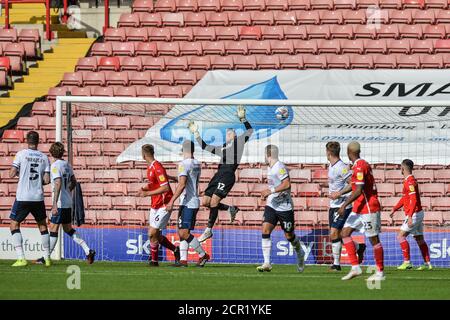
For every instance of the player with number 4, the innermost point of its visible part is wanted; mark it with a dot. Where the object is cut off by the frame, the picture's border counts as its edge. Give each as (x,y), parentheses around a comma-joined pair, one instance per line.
(279,208)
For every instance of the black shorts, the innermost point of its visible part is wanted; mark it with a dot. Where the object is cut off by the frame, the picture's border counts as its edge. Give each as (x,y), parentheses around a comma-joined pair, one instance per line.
(286,218)
(336,221)
(186,218)
(221,184)
(21,209)
(64,216)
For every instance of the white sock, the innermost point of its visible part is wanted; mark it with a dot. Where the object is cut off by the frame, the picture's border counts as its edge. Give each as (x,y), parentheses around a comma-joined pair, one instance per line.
(266,244)
(45,238)
(17,242)
(81,243)
(208,229)
(336,248)
(53,241)
(194,244)
(184,246)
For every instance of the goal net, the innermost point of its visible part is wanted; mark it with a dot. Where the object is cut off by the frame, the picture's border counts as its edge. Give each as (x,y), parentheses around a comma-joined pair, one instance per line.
(105,135)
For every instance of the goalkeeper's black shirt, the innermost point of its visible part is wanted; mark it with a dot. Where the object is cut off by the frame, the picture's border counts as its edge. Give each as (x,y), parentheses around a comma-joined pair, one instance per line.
(230,153)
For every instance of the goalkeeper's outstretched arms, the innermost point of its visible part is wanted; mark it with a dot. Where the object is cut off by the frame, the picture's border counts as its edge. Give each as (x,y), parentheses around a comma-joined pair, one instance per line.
(241,113)
(193,128)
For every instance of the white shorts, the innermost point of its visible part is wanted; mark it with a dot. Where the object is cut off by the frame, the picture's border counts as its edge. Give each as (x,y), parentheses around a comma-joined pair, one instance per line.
(417,227)
(159,218)
(368,223)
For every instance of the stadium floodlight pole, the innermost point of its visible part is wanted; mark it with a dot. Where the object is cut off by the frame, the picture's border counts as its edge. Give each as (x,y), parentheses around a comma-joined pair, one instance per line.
(268,102)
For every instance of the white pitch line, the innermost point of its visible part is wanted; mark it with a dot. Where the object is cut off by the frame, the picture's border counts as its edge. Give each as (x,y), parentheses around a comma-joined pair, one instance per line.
(182,274)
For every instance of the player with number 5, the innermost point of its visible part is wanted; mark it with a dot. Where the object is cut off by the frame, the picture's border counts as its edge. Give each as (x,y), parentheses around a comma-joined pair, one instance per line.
(279,207)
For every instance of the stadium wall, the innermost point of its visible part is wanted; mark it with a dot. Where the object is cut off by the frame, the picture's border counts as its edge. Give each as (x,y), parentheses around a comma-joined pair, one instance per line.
(239,245)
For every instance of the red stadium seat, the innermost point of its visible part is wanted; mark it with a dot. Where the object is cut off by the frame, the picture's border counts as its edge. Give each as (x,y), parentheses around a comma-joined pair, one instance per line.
(272,32)
(28,123)
(210,48)
(268,62)
(352,46)
(124,203)
(251,33)
(128,20)
(299,203)
(116,78)
(295,32)
(300,175)
(386,189)
(142,6)
(245,203)
(408,62)
(106,176)
(442,46)
(330,17)
(144,91)
(341,31)
(199,63)
(89,149)
(432,189)
(291,62)
(146,49)
(239,18)
(308,17)
(222,62)
(101,49)
(108,217)
(319,176)
(308,218)
(308,190)
(308,46)
(322,4)
(133,217)
(87,63)
(109,63)
(130,176)
(164,6)
(113,149)
(251,175)
(99,203)
(388,31)
(150,19)
(195,19)
(442,176)
(207,33)
(219,19)
(245,62)
(208,5)
(262,18)
(354,16)
(11,136)
(115,34)
(424,175)
(422,46)
(153,63)
(400,16)
(94,189)
(190,48)
(441,204)
(434,31)
(318,204)
(384,61)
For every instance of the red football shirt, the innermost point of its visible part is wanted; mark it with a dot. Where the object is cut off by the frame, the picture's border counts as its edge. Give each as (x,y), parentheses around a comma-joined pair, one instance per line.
(367,202)
(411,197)
(157,177)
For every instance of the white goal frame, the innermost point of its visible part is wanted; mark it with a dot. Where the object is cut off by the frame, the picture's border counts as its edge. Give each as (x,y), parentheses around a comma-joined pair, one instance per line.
(61,100)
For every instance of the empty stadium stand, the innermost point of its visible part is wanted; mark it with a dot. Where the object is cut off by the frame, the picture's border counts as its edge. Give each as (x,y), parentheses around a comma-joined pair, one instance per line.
(163,48)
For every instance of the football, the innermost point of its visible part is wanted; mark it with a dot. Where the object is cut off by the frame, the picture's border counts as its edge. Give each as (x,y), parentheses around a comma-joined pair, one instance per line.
(282,113)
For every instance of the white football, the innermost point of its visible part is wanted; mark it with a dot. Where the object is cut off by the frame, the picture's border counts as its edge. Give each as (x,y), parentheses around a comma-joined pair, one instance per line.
(282,113)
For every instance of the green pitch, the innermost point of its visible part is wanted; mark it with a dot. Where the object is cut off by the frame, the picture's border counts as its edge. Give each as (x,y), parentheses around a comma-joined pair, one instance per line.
(119,280)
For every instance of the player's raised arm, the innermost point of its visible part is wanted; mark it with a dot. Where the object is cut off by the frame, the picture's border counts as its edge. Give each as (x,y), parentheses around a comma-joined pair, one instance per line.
(249,129)
(193,127)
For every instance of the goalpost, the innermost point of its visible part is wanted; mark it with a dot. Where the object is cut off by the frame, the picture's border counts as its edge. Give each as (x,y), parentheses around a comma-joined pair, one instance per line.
(104,136)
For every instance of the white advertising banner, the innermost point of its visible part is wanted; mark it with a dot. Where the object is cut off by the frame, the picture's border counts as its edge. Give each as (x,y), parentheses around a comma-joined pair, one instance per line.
(387,134)
(32,243)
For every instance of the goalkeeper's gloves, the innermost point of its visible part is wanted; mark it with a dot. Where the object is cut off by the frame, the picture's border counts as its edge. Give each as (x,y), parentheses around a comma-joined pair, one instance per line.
(193,128)
(241,113)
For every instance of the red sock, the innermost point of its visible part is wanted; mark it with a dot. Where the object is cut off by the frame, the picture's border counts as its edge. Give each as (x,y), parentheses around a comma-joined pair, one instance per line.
(378,253)
(154,250)
(351,250)
(166,243)
(424,250)
(404,244)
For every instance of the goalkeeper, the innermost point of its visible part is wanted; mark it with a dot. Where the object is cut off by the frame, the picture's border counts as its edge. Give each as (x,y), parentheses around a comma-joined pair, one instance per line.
(223,181)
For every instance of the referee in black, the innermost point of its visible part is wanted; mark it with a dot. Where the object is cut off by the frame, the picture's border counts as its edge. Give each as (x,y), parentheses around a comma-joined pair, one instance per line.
(223,181)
